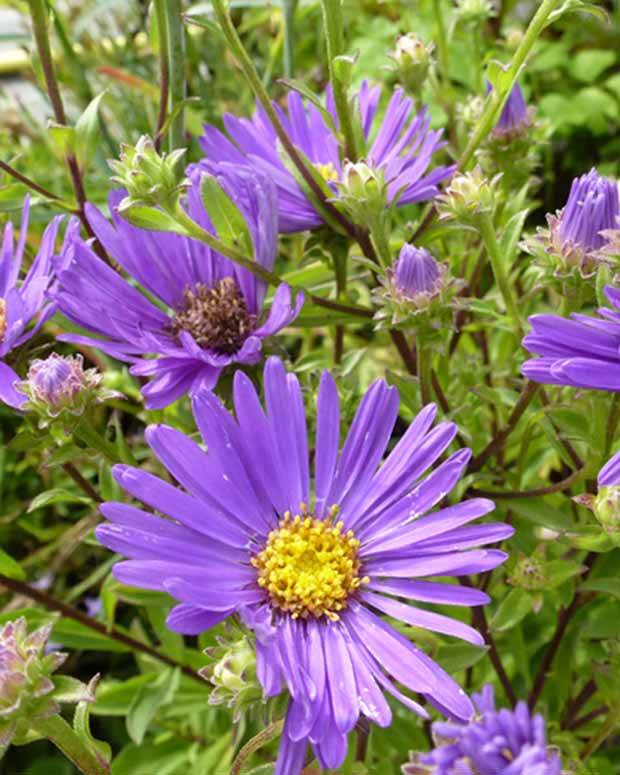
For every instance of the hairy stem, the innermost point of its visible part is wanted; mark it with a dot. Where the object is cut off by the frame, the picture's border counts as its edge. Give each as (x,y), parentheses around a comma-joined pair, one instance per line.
(262,738)
(334,34)
(176,71)
(164,72)
(487,232)
(66,739)
(564,619)
(423,362)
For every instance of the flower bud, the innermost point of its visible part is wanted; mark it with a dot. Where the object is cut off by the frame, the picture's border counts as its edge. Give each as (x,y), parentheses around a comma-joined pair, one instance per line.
(474,11)
(416,293)
(149,178)
(362,192)
(607,511)
(233,675)
(515,117)
(582,233)
(59,383)
(25,677)
(416,274)
(412,58)
(469,195)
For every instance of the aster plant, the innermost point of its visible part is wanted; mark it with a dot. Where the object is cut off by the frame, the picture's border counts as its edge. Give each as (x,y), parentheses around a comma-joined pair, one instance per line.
(244,361)
(207,313)
(311,572)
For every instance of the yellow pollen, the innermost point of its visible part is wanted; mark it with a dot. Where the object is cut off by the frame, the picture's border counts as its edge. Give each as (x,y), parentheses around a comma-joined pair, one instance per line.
(2,319)
(327,171)
(309,567)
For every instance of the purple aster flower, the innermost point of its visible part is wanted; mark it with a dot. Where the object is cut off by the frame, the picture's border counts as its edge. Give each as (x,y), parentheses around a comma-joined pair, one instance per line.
(311,571)
(496,742)
(580,351)
(592,207)
(402,148)
(416,272)
(206,310)
(515,114)
(25,303)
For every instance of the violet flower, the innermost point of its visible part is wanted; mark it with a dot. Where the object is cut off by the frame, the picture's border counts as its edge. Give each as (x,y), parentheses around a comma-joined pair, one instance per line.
(495,742)
(311,570)
(580,351)
(401,147)
(24,307)
(206,313)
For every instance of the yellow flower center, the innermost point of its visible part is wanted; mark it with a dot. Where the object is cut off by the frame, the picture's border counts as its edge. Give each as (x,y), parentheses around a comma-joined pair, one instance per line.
(328,171)
(309,567)
(2,319)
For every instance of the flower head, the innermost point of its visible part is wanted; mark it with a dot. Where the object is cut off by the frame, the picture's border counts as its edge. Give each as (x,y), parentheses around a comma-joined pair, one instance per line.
(208,312)
(416,273)
(412,59)
(468,195)
(401,149)
(25,303)
(310,571)
(515,115)
(494,742)
(578,234)
(25,676)
(60,383)
(580,351)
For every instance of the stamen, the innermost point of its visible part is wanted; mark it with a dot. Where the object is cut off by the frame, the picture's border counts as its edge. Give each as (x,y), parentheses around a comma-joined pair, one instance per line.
(328,171)
(217,317)
(3,323)
(309,567)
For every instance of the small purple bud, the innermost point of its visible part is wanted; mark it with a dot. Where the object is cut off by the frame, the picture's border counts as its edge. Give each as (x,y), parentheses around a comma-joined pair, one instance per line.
(592,207)
(416,272)
(515,114)
(57,380)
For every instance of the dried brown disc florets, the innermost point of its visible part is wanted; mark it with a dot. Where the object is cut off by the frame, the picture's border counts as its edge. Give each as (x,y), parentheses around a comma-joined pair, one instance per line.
(216,316)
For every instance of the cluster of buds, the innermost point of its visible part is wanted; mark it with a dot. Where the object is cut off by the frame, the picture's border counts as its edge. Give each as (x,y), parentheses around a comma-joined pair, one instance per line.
(232,672)
(579,238)
(362,192)
(469,195)
(27,689)
(415,293)
(150,178)
(59,385)
(412,61)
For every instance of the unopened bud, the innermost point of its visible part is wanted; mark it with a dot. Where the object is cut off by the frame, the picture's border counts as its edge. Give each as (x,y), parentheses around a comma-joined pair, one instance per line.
(412,58)
(362,192)
(468,196)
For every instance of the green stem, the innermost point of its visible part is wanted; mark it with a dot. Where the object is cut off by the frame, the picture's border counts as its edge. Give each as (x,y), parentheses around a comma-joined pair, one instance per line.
(192,229)
(423,363)
(497,98)
(237,49)
(599,738)
(334,34)
(442,42)
(64,737)
(289,7)
(176,70)
(86,433)
(262,738)
(487,232)
(164,72)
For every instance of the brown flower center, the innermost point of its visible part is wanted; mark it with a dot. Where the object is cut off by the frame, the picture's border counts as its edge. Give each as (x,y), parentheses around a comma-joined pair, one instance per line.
(217,317)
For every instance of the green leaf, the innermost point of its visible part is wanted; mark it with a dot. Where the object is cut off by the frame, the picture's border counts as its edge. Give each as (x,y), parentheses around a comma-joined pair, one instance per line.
(55,495)
(455,657)
(514,607)
(69,689)
(608,586)
(81,724)
(150,218)
(148,700)
(114,698)
(152,759)
(10,567)
(78,636)
(87,131)
(228,221)
(62,139)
